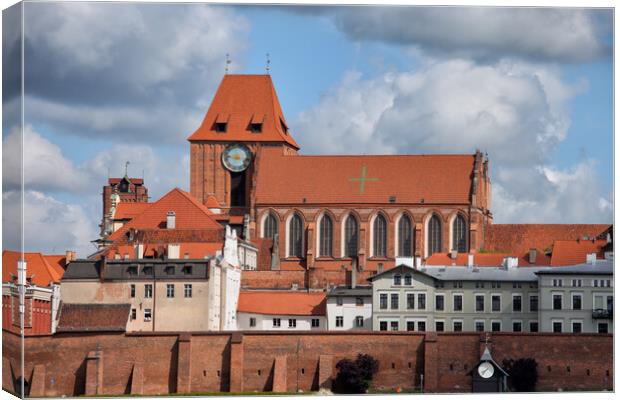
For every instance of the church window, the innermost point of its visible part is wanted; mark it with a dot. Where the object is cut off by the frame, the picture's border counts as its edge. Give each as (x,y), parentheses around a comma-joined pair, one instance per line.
(379,236)
(326,235)
(434,235)
(295,236)
(405,236)
(350,238)
(459,234)
(270,226)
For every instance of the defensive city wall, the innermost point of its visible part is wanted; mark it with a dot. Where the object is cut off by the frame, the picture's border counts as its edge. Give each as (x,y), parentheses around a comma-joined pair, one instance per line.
(154,363)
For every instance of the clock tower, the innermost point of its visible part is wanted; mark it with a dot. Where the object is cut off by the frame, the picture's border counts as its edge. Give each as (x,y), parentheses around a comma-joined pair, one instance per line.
(244,117)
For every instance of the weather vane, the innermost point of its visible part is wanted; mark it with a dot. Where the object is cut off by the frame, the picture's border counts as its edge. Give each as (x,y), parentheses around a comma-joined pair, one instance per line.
(126,165)
(227,61)
(267,64)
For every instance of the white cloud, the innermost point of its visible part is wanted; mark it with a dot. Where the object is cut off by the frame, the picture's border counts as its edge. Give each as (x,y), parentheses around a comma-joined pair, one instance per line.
(50,226)
(484,33)
(517,112)
(45,167)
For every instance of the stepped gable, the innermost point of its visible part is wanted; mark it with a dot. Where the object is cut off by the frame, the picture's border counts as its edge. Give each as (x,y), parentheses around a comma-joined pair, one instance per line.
(371,179)
(240,101)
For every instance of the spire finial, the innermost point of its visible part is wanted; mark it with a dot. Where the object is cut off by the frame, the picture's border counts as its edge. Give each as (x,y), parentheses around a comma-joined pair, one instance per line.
(126,166)
(227,61)
(267,63)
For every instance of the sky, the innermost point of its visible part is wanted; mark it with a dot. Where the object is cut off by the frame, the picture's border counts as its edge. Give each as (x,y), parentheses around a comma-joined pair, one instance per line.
(107,83)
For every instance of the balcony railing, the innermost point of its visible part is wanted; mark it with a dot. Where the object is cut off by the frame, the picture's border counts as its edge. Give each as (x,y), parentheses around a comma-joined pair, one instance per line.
(602,313)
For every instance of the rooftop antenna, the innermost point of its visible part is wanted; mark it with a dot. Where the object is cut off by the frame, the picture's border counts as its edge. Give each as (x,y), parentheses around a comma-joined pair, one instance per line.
(267,64)
(227,61)
(126,165)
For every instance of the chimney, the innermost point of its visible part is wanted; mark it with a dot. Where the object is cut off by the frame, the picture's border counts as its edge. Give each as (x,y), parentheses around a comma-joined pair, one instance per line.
(171,220)
(69,256)
(354,273)
(139,249)
(511,262)
(591,258)
(174,251)
(380,268)
(418,262)
(470,260)
(532,256)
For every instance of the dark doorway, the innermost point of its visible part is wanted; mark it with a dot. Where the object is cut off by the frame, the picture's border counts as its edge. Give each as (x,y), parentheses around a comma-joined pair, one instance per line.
(237,189)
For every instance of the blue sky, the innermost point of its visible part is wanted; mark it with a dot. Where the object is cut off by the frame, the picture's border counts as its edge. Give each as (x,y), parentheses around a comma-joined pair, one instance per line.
(108,83)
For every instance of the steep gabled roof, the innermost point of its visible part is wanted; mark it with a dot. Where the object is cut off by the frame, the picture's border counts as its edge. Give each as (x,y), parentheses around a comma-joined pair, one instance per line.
(572,252)
(410,179)
(282,303)
(190,214)
(41,271)
(519,238)
(239,101)
(129,210)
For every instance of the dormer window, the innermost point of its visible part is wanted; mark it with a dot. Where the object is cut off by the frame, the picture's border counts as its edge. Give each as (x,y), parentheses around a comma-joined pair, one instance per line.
(256,127)
(284,127)
(187,270)
(221,127)
(169,270)
(132,270)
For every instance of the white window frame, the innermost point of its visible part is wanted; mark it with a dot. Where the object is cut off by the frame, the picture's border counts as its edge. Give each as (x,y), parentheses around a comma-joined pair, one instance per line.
(443,295)
(572,294)
(264,217)
(529,304)
(512,309)
(435,325)
(273,323)
(339,318)
(150,315)
(462,324)
(529,325)
(484,325)
(357,319)
(462,302)
(292,323)
(500,302)
(561,322)
(484,303)
(499,321)
(512,323)
(561,294)
(573,321)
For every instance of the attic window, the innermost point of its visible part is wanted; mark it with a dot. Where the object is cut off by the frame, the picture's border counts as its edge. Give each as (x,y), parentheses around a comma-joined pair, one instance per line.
(256,127)
(284,127)
(147,270)
(132,270)
(169,270)
(221,127)
(187,270)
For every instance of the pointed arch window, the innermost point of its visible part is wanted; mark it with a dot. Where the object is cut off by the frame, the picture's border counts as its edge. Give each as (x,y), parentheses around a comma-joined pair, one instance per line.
(295,236)
(350,237)
(405,236)
(270,226)
(459,234)
(379,236)
(326,232)
(434,235)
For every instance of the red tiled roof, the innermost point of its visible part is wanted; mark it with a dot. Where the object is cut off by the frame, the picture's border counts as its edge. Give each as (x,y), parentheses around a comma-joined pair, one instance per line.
(116,181)
(212,202)
(282,303)
(519,238)
(571,252)
(93,317)
(485,259)
(190,214)
(239,100)
(42,270)
(57,260)
(130,210)
(194,250)
(412,179)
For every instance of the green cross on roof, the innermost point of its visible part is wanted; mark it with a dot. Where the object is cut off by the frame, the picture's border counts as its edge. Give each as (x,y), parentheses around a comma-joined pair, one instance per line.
(362,179)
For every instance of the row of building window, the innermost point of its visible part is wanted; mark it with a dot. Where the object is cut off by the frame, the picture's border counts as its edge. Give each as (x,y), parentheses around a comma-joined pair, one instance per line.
(292,322)
(496,326)
(457,302)
(578,283)
(148,290)
(379,234)
(359,301)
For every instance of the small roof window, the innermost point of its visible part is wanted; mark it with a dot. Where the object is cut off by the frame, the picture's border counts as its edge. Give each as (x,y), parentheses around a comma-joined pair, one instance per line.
(221,127)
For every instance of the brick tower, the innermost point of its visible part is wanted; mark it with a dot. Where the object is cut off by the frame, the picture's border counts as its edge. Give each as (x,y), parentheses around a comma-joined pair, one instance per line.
(244,117)
(121,190)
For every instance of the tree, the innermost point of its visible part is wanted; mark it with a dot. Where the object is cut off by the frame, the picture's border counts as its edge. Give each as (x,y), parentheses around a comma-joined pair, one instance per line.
(355,376)
(523,374)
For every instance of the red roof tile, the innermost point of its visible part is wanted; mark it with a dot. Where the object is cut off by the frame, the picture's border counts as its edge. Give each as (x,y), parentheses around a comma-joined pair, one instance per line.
(190,214)
(116,181)
(212,202)
(282,303)
(413,179)
(486,259)
(93,317)
(519,238)
(194,250)
(239,100)
(130,210)
(571,252)
(42,270)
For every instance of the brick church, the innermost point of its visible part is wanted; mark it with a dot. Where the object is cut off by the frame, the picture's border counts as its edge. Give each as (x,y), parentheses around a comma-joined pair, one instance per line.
(324,214)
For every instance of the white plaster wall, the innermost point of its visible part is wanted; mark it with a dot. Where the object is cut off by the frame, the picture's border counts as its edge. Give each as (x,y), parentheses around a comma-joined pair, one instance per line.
(349,310)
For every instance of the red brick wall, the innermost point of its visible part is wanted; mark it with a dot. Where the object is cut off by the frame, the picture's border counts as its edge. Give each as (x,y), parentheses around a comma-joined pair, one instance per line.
(223,361)
(37,315)
(272,279)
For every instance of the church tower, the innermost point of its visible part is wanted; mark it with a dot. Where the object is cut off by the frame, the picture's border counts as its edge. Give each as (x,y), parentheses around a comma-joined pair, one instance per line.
(244,117)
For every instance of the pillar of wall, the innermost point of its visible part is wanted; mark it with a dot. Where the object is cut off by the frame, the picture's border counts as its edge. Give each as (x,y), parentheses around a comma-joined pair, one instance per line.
(236,362)
(326,366)
(94,373)
(37,383)
(431,367)
(137,379)
(279,374)
(184,363)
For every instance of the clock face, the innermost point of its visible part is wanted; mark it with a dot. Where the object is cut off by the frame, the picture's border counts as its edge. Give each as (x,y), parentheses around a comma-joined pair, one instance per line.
(236,158)
(486,370)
